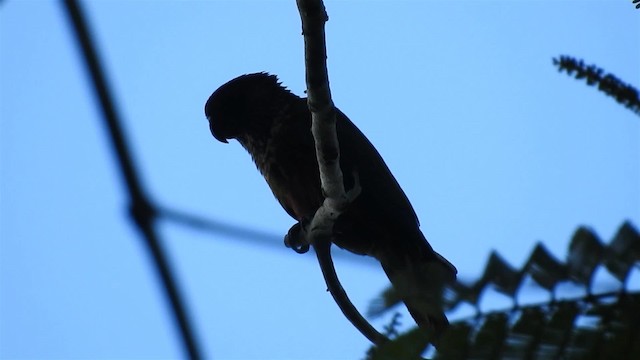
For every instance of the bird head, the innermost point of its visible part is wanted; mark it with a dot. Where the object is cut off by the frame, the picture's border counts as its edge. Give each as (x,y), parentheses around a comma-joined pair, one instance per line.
(242,104)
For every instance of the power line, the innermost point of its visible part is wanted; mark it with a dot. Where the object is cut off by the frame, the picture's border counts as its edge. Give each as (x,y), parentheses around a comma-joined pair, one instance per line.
(142,211)
(249,235)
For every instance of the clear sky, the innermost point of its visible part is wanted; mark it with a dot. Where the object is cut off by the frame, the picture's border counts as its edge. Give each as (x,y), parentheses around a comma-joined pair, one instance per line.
(494,147)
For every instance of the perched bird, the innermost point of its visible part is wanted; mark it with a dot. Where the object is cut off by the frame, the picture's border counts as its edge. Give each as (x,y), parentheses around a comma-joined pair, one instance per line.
(274,126)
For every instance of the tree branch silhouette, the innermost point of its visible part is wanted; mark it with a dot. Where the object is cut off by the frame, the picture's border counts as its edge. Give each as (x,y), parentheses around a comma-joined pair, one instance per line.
(314,16)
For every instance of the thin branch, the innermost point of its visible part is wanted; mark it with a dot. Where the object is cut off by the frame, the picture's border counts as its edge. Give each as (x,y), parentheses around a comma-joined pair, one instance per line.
(624,94)
(323,252)
(142,212)
(314,16)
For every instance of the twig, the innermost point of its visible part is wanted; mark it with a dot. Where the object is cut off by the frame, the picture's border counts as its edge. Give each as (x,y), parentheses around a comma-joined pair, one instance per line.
(322,247)
(625,94)
(314,17)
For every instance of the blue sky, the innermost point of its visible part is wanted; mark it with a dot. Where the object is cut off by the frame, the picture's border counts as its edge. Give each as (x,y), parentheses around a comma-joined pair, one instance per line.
(494,147)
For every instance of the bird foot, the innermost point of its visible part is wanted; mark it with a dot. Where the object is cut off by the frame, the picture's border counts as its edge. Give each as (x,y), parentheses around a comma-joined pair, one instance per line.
(296,237)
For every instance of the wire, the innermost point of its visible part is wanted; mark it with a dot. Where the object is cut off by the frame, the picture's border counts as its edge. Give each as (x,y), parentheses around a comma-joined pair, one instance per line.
(142,212)
(249,235)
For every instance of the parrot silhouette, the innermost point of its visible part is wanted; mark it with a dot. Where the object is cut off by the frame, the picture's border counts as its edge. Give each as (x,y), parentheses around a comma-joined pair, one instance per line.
(274,126)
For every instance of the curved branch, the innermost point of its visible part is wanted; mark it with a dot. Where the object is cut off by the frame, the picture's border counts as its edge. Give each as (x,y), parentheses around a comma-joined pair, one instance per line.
(314,16)
(323,252)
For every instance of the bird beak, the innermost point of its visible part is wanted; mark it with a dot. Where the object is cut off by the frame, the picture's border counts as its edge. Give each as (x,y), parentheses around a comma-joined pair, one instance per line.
(221,139)
(216,134)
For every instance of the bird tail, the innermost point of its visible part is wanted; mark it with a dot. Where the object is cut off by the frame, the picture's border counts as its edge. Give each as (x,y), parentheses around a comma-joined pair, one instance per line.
(419,279)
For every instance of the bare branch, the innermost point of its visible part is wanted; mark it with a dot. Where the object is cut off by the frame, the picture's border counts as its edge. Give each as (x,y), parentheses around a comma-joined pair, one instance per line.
(322,248)
(314,16)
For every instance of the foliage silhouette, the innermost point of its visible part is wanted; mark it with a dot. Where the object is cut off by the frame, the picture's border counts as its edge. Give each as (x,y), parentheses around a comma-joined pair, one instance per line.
(593,326)
(609,84)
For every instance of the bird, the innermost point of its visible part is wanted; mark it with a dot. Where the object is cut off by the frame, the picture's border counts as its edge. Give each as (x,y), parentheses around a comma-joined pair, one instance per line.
(274,127)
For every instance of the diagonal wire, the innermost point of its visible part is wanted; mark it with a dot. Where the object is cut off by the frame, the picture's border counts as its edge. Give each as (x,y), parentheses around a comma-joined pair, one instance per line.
(249,235)
(142,212)
(209,225)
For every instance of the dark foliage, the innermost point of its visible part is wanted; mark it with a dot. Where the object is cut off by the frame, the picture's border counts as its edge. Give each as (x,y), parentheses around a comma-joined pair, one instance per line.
(594,326)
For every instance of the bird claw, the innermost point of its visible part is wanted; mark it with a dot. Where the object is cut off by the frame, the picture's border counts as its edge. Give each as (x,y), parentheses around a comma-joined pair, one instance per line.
(296,237)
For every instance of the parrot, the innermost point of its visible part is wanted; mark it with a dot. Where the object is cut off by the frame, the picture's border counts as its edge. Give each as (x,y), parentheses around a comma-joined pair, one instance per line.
(274,126)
